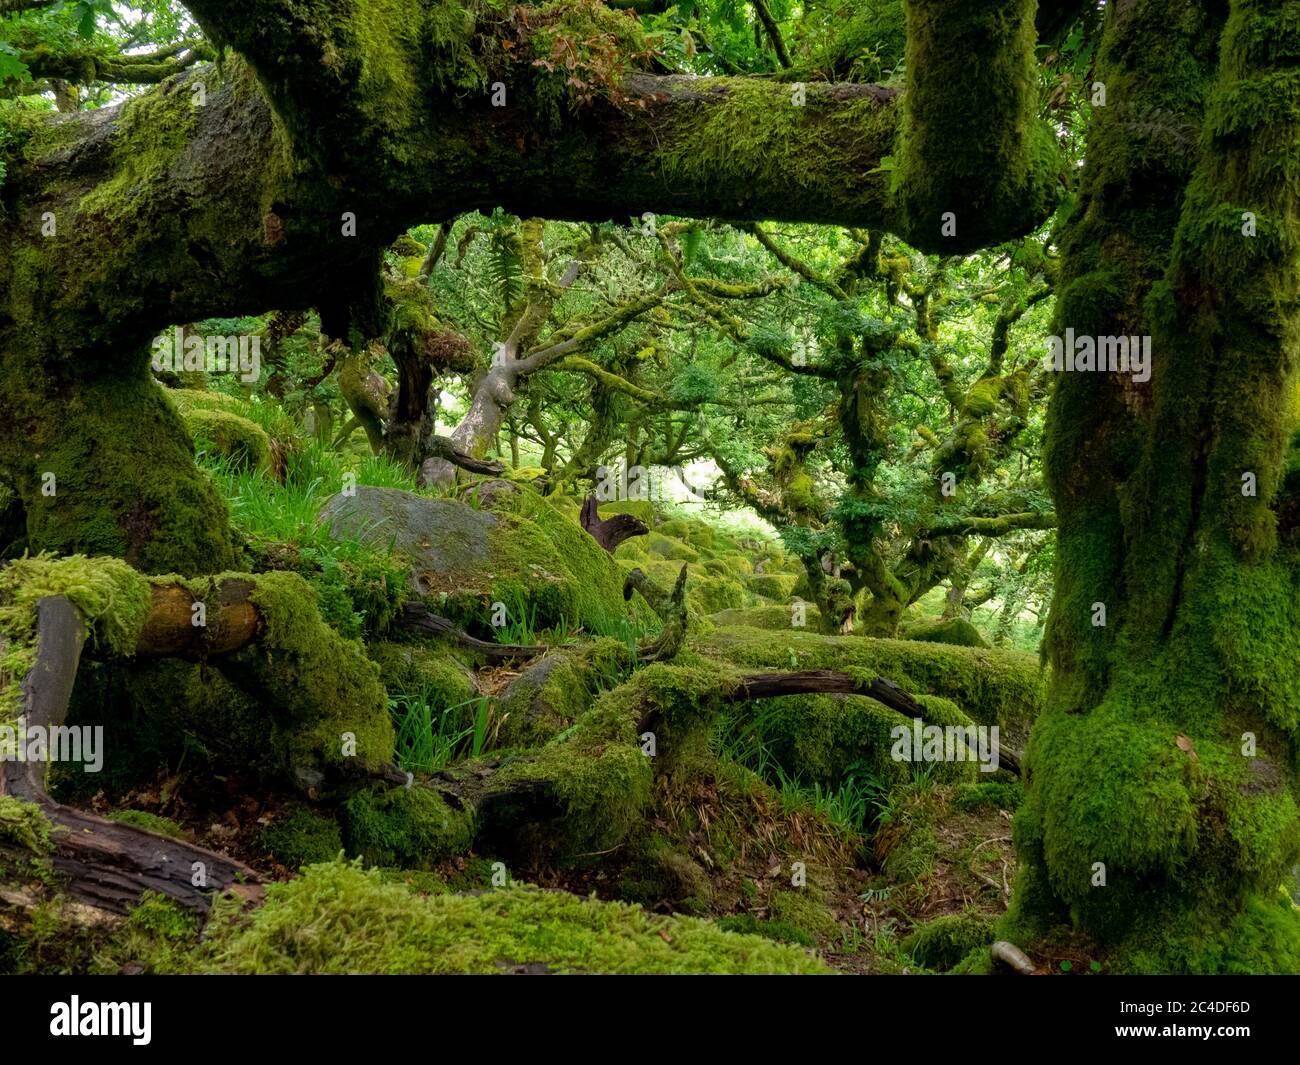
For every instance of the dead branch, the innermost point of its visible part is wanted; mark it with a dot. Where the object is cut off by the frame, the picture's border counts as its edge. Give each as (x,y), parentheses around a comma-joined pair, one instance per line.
(612,531)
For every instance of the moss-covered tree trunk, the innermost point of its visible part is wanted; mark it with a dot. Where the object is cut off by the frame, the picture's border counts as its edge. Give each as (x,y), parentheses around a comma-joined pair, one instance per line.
(104,465)
(1161,814)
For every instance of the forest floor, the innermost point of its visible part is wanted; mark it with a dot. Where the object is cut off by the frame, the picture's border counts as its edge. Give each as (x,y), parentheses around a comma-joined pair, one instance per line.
(786,818)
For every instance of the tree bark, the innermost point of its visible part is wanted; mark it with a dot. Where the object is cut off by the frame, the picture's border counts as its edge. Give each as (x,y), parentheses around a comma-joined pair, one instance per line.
(1162,772)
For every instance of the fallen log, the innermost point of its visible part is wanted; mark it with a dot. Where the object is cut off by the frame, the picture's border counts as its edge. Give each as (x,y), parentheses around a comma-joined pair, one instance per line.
(231,621)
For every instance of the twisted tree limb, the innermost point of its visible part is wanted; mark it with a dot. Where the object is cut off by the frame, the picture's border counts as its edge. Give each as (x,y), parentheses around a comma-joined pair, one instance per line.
(672,610)
(612,531)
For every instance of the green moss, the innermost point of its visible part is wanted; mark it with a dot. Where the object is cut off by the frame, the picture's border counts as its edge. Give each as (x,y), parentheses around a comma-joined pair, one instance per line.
(777,931)
(300,836)
(739,565)
(994,687)
(705,593)
(768,617)
(123,479)
(449,28)
(772,585)
(151,133)
(664,546)
(328,707)
(942,943)
(408,827)
(23,824)
(112,597)
(525,554)
(804,908)
(388,929)
(163,826)
(162,918)
(595,771)
(428,672)
(755,132)
(590,590)
(1000,182)
(553,693)
(988,795)
(826,739)
(956,631)
(244,443)
(638,508)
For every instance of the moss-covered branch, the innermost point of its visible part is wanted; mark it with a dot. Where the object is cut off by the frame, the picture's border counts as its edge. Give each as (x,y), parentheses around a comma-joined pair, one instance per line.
(993,526)
(84,66)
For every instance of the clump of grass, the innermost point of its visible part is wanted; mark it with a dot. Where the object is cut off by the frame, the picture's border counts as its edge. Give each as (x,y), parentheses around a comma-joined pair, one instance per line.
(431,736)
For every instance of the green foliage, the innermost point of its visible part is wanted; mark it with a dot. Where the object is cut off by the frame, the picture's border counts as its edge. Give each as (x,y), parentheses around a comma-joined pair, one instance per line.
(163,826)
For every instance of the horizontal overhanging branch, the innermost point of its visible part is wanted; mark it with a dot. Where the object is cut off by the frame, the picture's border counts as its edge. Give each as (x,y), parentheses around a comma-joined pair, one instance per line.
(995,526)
(181,205)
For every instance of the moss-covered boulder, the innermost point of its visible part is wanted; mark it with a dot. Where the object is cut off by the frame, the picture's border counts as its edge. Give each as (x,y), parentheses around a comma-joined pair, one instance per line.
(244,443)
(526,555)
(770,617)
(552,693)
(955,631)
(411,827)
(661,546)
(940,944)
(779,586)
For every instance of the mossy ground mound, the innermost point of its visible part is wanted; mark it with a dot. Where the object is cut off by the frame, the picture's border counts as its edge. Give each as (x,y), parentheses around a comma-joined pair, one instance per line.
(393,930)
(236,439)
(993,686)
